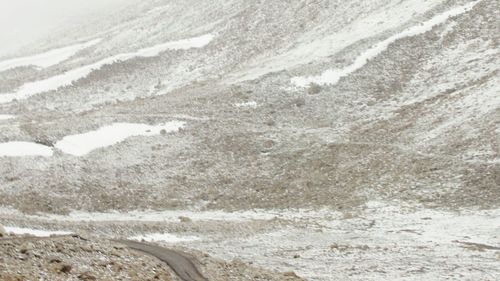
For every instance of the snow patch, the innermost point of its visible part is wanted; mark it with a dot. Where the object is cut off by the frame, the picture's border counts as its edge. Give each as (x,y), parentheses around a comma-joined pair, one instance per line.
(164,237)
(160,216)
(6,116)
(195,42)
(250,104)
(66,79)
(47,59)
(332,76)
(20,148)
(34,232)
(173,215)
(82,144)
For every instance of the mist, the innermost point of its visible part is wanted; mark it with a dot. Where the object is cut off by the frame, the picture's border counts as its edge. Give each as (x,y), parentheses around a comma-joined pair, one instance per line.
(25,21)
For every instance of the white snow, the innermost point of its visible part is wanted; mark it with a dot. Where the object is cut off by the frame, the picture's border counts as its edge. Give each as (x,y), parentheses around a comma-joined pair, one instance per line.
(375,243)
(173,215)
(332,76)
(66,79)
(382,241)
(158,216)
(47,59)
(249,104)
(82,144)
(4,98)
(164,237)
(374,18)
(20,148)
(34,232)
(6,116)
(195,42)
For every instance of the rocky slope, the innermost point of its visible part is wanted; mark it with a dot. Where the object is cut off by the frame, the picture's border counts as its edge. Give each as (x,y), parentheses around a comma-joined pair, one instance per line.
(76,258)
(400,104)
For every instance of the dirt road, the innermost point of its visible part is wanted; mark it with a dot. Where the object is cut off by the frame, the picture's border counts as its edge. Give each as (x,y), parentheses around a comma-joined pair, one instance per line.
(182,265)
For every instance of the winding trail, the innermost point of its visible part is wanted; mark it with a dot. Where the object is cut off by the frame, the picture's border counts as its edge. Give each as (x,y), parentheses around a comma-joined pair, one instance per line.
(182,265)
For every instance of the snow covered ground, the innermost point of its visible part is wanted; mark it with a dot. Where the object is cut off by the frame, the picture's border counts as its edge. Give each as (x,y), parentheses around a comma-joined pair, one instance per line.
(33,232)
(374,18)
(248,104)
(20,148)
(82,144)
(386,169)
(6,116)
(332,76)
(173,216)
(382,242)
(48,58)
(377,241)
(66,79)
(164,237)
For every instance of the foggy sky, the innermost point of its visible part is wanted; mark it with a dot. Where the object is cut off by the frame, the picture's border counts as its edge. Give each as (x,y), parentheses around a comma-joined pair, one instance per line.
(24,21)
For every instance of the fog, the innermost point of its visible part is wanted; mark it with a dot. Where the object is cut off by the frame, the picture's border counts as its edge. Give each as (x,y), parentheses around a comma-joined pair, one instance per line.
(25,21)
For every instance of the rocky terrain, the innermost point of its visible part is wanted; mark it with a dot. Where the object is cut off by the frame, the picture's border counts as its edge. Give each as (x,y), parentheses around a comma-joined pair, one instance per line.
(78,258)
(346,140)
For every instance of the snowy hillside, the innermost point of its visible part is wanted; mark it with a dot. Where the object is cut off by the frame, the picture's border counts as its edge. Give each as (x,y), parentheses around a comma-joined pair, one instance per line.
(294,117)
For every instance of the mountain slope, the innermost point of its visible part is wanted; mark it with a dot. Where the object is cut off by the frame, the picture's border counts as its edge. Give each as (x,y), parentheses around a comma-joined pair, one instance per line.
(284,105)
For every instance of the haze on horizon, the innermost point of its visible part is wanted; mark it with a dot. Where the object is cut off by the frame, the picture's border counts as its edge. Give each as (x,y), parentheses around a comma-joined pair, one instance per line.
(25,21)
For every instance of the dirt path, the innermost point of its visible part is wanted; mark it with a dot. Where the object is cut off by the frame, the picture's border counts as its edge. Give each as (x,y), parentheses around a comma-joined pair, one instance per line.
(182,265)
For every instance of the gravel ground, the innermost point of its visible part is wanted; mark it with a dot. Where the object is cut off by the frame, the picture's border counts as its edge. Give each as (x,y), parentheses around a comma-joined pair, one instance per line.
(75,258)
